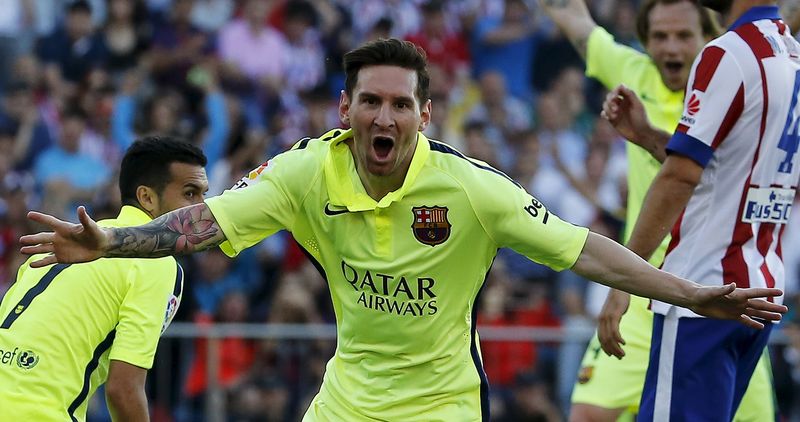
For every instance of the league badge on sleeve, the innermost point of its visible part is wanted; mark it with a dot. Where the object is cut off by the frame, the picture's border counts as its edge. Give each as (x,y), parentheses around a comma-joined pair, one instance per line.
(431,226)
(252,177)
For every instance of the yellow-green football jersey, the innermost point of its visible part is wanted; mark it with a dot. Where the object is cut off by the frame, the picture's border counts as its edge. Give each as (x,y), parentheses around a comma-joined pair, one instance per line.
(404,272)
(60,325)
(613,64)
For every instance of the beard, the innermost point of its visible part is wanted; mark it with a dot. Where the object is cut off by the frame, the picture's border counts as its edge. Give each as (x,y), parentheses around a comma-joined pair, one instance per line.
(721,6)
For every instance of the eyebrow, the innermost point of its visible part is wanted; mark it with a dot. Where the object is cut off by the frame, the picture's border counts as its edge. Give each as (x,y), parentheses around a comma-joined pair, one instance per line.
(397,98)
(195,186)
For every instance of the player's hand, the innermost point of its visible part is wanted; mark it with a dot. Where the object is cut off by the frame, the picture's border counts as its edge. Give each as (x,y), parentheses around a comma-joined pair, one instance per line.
(744,305)
(623,109)
(67,243)
(614,308)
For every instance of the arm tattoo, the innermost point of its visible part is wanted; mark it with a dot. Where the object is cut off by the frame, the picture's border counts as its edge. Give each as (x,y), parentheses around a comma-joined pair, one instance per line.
(183,231)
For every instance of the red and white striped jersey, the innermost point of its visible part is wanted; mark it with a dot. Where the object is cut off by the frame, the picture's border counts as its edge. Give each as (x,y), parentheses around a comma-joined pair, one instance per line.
(740,122)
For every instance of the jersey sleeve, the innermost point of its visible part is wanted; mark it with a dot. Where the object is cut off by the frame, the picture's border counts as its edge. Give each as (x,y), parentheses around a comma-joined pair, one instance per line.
(153,297)
(264,201)
(713,105)
(515,219)
(608,61)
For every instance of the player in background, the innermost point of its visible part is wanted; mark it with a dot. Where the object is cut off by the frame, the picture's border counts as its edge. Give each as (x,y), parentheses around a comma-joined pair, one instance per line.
(725,191)
(673,32)
(65,329)
(404,229)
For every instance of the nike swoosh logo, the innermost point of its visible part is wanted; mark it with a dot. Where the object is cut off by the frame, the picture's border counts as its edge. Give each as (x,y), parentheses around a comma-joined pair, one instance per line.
(329,211)
(647,98)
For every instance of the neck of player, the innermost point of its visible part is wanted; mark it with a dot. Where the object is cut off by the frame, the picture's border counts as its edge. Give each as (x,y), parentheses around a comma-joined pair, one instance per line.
(377,185)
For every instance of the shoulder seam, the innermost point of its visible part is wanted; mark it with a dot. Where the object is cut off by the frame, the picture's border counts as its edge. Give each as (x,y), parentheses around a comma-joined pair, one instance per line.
(446,149)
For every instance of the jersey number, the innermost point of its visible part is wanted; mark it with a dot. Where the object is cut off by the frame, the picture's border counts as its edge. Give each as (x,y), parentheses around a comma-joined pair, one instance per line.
(790,135)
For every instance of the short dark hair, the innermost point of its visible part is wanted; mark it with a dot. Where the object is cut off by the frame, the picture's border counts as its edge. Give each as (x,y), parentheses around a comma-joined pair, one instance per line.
(392,52)
(147,163)
(79,6)
(708,23)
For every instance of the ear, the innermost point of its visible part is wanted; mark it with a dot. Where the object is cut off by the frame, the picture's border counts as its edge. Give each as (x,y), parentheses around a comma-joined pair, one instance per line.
(425,115)
(148,199)
(344,108)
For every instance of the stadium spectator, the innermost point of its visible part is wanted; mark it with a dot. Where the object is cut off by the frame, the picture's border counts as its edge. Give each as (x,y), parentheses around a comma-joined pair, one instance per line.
(166,113)
(507,45)
(503,115)
(126,35)
(21,115)
(255,59)
(177,46)
(66,176)
(444,47)
(73,51)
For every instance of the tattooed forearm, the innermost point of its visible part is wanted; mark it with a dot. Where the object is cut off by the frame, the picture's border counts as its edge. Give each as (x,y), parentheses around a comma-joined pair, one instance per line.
(182,231)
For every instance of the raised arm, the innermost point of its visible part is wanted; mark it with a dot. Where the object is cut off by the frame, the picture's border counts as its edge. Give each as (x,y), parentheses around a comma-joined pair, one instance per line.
(183,231)
(573,19)
(623,109)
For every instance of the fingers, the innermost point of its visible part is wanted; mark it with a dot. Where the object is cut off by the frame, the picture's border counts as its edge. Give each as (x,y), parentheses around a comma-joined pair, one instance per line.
(761,292)
(83,217)
(746,320)
(47,260)
(35,239)
(763,305)
(765,315)
(37,249)
(611,340)
(47,220)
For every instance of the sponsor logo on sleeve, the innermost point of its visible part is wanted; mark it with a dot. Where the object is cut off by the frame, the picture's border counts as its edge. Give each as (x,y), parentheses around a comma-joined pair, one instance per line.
(692,108)
(172,309)
(253,176)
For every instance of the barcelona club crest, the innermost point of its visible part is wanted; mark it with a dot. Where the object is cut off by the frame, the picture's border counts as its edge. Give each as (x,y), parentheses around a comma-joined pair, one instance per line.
(430,225)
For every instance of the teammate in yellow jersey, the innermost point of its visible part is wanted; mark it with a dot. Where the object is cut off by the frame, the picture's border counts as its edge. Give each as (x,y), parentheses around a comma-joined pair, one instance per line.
(404,229)
(65,329)
(672,32)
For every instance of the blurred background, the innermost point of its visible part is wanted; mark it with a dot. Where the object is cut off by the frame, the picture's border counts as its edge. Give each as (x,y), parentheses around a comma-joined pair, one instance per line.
(245,79)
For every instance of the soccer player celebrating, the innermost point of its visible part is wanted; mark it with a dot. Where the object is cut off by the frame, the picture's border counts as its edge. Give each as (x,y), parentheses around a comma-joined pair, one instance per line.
(725,190)
(66,329)
(673,32)
(404,229)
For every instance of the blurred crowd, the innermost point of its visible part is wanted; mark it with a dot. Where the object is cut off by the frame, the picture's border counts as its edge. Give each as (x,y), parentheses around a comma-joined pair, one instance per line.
(245,79)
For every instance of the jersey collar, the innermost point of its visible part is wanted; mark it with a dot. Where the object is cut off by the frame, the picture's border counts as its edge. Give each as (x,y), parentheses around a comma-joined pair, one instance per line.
(756,13)
(344,186)
(132,216)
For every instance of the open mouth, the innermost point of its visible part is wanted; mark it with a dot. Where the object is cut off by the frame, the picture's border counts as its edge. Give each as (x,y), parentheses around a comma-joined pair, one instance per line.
(673,67)
(382,145)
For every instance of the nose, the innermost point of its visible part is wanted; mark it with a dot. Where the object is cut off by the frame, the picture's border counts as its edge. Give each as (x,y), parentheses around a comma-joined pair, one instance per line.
(384,118)
(672,45)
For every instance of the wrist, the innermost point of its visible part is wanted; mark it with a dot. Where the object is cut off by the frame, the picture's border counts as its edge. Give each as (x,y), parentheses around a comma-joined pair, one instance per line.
(688,294)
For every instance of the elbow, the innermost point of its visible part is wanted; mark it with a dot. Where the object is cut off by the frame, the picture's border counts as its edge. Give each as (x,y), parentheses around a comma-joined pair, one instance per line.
(120,392)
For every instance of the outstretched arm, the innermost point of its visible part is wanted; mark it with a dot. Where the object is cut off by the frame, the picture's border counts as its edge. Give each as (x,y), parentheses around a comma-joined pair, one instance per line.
(573,19)
(607,262)
(183,231)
